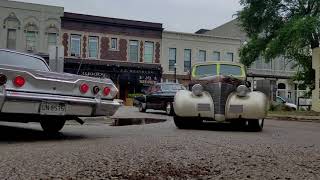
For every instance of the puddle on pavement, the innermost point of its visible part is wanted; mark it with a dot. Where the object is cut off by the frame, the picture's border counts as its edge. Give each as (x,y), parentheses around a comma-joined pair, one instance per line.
(135,121)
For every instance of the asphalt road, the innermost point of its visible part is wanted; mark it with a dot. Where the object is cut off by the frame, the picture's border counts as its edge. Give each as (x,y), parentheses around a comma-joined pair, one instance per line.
(284,150)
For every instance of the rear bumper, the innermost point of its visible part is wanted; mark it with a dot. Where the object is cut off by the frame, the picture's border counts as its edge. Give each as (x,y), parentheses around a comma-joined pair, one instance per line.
(29,103)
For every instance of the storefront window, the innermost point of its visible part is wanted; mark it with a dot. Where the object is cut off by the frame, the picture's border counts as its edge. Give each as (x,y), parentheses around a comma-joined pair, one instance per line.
(148,52)
(93,47)
(133,50)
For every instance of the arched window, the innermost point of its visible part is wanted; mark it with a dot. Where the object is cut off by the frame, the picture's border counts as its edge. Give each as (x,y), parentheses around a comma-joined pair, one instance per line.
(52,35)
(12,24)
(31,34)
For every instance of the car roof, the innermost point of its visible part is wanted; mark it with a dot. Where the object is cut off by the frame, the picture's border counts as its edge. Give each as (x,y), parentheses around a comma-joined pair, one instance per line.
(218,62)
(22,53)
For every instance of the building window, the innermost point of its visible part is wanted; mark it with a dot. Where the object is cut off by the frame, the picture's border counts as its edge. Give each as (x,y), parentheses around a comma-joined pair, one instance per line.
(172,58)
(52,39)
(133,50)
(216,56)
(229,56)
(31,40)
(11,39)
(148,52)
(114,43)
(202,56)
(187,60)
(75,45)
(93,47)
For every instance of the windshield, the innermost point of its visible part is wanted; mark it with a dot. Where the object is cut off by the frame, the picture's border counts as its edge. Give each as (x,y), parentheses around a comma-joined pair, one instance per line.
(206,70)
(227,70)
(24,61)
(172,87)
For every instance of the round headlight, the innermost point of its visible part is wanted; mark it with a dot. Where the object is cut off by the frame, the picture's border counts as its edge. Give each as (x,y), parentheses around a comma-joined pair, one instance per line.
(197,89)
(242,90)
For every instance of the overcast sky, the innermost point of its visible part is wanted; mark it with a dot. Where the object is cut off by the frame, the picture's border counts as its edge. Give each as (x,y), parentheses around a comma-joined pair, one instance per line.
(175,15)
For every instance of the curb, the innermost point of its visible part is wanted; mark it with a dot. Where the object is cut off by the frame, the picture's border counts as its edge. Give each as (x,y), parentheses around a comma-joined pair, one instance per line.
(298,119)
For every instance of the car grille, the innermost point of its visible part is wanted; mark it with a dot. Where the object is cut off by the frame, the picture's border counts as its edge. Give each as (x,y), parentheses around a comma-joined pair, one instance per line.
(219,92)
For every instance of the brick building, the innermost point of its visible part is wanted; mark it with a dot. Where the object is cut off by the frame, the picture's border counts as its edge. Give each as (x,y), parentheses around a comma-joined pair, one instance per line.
(126,51)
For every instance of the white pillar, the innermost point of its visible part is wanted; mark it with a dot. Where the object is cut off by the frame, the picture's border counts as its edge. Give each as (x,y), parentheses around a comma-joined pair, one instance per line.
(316,67)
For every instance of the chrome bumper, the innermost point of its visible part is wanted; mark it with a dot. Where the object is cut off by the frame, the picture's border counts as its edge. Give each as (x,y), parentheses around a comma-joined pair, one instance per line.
(29,103)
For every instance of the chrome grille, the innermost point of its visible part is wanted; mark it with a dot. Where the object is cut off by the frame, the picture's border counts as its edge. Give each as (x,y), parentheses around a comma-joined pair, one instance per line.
(219,92)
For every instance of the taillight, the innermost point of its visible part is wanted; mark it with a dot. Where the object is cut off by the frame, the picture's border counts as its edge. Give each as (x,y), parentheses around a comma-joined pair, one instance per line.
(3,79)
(106,91)
(19,81)
(84,88)
(96,90)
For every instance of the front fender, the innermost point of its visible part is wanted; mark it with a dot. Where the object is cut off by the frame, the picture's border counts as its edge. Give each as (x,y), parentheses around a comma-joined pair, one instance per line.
(253,106)
(188,105)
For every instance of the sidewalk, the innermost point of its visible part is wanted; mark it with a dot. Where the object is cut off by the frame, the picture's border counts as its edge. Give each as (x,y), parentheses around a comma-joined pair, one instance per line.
(287,117)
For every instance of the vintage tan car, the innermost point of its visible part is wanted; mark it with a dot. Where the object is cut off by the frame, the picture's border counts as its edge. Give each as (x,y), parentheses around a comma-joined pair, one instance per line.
(219,92)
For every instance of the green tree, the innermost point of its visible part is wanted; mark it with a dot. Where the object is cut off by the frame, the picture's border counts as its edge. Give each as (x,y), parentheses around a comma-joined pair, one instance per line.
(289,28)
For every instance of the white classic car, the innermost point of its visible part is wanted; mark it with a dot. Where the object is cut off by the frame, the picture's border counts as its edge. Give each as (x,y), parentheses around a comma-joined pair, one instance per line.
(30,92)
(219,92)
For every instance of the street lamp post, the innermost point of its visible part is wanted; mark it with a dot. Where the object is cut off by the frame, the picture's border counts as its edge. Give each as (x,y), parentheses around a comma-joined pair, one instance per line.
(175,72)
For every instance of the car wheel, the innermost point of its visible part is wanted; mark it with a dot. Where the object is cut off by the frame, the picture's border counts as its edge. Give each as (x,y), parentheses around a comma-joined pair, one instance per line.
(185,123)
(141,108)
(52,125)
(169,109)
(256,125)
(239,123)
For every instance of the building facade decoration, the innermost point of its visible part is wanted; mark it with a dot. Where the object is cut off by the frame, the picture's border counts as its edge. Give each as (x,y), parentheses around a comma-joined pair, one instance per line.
(120,50)
(25,26)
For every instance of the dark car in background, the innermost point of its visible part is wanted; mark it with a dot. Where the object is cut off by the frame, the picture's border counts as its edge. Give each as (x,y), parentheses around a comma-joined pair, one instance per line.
(158,97)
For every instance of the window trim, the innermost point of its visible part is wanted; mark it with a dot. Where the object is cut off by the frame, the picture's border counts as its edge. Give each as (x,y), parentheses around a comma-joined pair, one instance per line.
(218,52)
(205,56)
(232,60)
(35,40)
(71,37)
(56,35)
(144,51)
(15,30)
(175,59)
(129,51)
(97,38)
(184,60)
(117,46)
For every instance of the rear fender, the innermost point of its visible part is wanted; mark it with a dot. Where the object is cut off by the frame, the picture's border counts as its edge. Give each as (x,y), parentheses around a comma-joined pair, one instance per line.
(186,104)
(253,106)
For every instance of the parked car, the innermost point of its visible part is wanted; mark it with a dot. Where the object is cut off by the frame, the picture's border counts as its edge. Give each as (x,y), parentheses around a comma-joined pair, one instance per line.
(220,93)
(31,92)
(289,106)
(158,97)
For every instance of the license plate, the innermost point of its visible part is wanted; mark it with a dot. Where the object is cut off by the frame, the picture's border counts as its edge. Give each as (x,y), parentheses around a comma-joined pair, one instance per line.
(236,109)
(52,108)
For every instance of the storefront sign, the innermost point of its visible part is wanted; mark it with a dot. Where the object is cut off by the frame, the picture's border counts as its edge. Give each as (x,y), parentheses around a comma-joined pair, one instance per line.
(96,74)
(148,80)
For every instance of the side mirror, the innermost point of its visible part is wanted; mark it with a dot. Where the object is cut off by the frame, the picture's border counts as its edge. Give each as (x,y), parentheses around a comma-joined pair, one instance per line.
(248,84)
